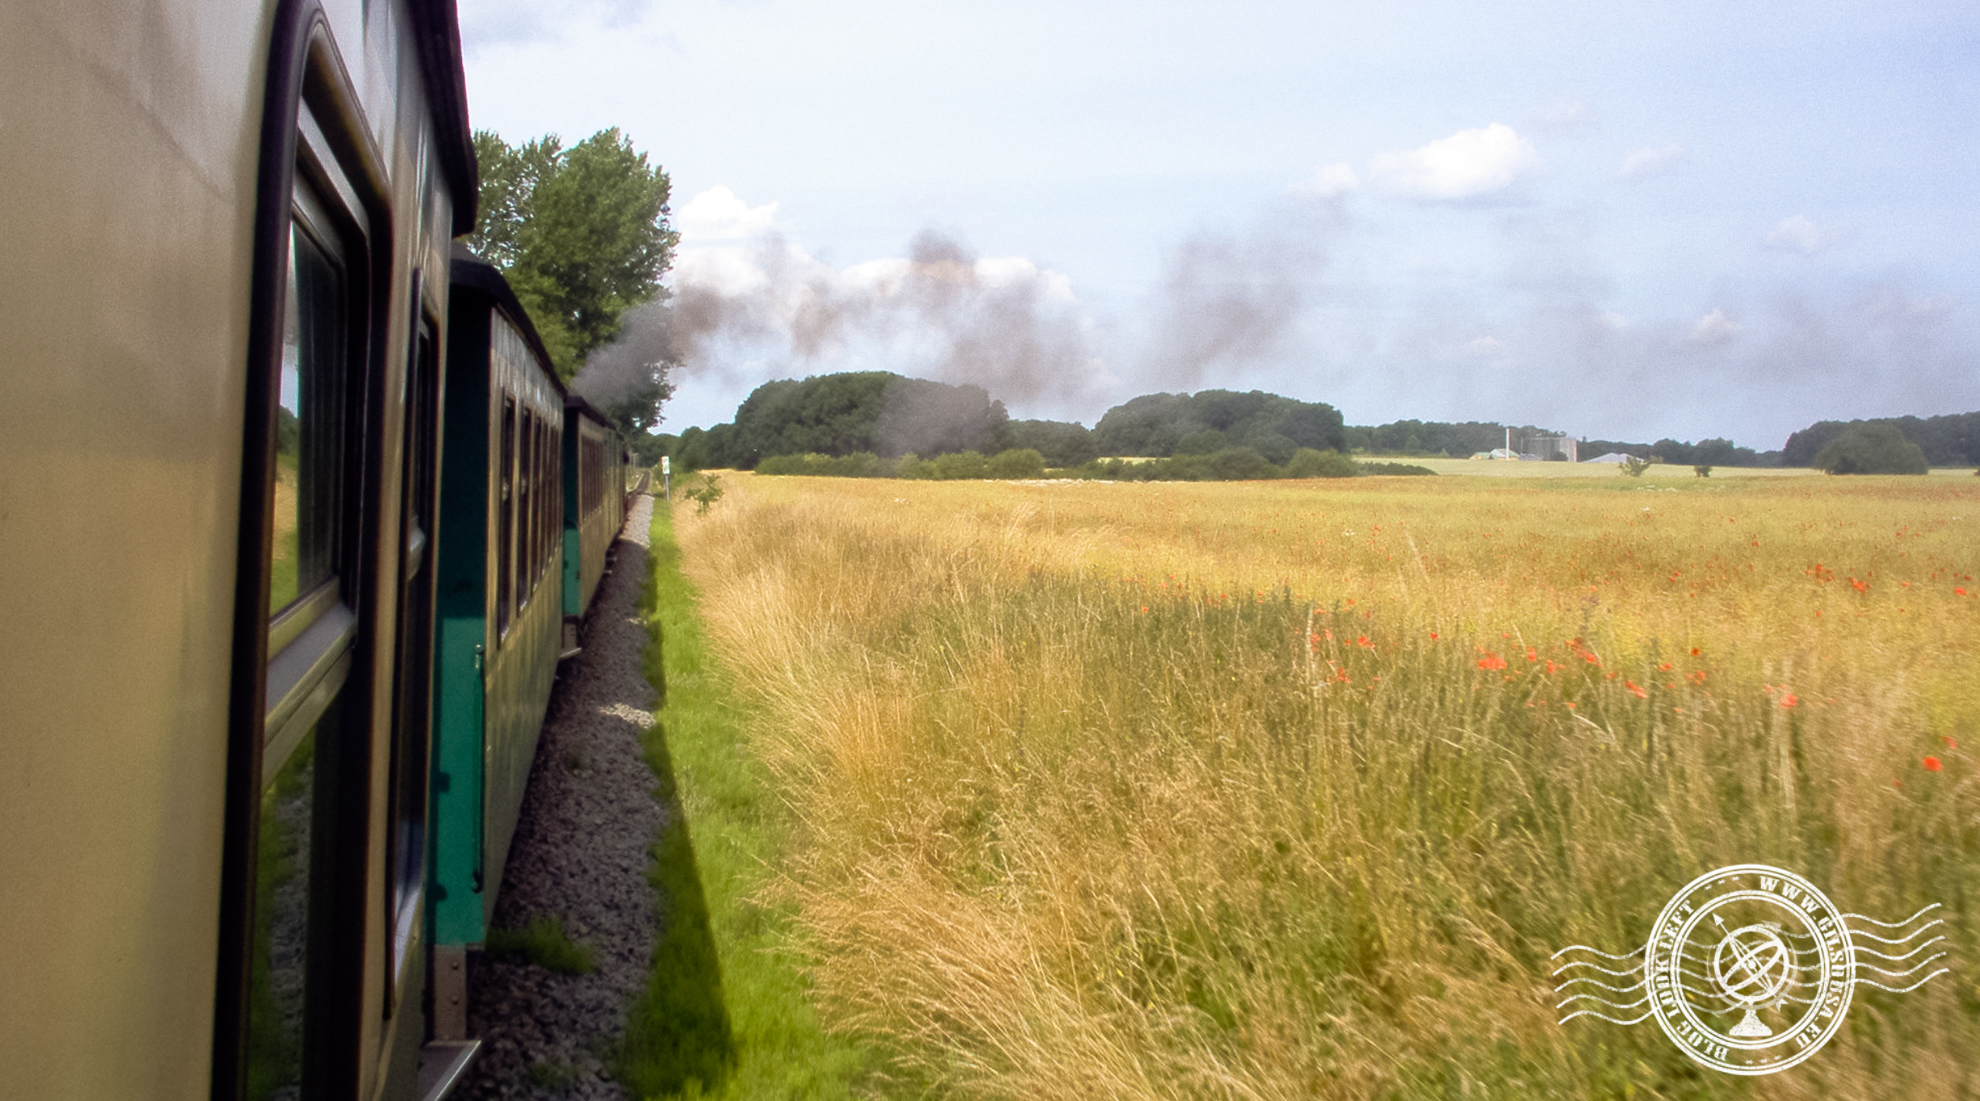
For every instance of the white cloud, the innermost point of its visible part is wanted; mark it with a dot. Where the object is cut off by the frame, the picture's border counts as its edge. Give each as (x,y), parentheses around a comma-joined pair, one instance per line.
(717,214)
(1641,164)
(1801,234)
(1714,329)
(1469,163)
(1328,182)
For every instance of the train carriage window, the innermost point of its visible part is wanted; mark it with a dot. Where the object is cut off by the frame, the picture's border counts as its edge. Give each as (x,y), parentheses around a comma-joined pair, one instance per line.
(406,855)
(526,514)
(311,632)
(505,511)
(310,424)
(543,491)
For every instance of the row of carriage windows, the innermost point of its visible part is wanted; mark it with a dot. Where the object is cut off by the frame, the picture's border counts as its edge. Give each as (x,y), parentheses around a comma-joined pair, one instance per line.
(529,497)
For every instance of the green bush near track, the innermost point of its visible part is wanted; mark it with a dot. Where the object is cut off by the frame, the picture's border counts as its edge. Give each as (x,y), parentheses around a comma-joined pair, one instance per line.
(544,943)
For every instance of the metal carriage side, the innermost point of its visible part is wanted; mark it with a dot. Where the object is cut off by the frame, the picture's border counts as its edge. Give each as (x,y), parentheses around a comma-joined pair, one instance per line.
(594,509)
(500,607)
(227,226)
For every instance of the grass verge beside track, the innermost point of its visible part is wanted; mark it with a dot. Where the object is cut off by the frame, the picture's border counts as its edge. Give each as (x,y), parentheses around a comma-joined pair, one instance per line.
(726,1013)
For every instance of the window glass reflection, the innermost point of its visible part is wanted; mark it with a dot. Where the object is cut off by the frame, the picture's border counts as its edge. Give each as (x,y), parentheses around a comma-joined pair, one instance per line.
(281,930)
(309,425)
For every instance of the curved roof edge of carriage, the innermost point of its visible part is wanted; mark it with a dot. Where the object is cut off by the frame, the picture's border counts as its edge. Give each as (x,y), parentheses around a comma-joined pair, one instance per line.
(437,32)
(476,274)
(577,403)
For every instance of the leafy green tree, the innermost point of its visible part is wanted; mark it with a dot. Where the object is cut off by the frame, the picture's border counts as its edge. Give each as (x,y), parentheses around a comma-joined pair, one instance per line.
(1872,447)
(581,234)
(1159,424)
(1062,443)
(854,411)
(1950,440)
(1203,441)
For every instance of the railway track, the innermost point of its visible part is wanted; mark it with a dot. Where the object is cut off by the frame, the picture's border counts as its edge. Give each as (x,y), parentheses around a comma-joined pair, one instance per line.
(581,854)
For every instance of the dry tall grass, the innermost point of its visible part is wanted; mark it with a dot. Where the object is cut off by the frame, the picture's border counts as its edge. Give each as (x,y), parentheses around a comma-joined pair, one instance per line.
(1278,790)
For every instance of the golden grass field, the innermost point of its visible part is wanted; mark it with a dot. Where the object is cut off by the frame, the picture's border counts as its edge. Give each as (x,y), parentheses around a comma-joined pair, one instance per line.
(1291,789)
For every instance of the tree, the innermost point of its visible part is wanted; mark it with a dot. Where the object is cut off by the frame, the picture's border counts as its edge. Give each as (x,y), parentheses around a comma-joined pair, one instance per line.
(581,234)
(1873,447)
(1950,440)
(1062,443)
(854,411)
(1210,420)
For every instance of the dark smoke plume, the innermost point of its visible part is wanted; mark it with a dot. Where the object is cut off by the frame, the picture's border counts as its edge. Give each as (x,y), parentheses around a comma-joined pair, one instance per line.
(1229,301)
(941,314)
(628,379)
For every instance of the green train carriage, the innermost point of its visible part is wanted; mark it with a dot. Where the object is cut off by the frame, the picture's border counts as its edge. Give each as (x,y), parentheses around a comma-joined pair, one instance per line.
(501,608)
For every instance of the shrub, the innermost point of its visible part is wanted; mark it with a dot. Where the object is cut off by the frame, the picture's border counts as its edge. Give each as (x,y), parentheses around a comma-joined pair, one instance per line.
(960,464)
(544,943)
(1235,464)
(704,490)
(859,464)
(1392,468)
(911,466)
(1871,448)
(1308,463)
(1018,462)
(1633,467)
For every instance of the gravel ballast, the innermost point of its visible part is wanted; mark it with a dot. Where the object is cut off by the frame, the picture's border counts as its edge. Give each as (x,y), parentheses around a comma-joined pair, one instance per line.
(581,853)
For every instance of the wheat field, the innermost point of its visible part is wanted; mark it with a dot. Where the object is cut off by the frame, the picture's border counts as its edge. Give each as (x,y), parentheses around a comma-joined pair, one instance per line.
(1276,790)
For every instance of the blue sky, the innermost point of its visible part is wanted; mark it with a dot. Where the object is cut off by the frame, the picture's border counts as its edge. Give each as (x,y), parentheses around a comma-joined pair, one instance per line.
(1622,221)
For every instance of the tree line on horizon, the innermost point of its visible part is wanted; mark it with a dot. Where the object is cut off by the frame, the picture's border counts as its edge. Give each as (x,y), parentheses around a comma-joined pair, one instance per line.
(890,416)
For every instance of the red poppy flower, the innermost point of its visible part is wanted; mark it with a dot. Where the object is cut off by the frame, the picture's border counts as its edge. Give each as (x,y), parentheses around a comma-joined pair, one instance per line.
(1491,661)
(1789,699)
(1932,764)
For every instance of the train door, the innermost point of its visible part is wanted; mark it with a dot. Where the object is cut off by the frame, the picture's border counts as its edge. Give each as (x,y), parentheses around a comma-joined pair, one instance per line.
(289,1019)
(413,694)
